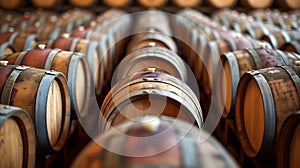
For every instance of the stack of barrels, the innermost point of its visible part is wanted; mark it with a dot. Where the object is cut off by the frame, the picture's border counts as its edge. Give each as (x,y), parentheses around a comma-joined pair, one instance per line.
(51,66)
(151,116)
(14,4)
(249,66)
(124,77)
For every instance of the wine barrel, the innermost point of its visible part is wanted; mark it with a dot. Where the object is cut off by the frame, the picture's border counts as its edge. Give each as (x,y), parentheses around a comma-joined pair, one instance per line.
(151,39)
(187,3)
(293,46)
(150,93)
(275,93)
(259,30)
(221,4)
(154,142)
(148,20)
(279,38)
(152,3)
(46,31)
(82,4)
(256,4)
(288,145)
(6,48)
(214,50)
(45,96)
(82,32)
(162,59)
(88,48)
(237,63)
(47,4)
(73,65)
(17,138)
(13,4)
(21,41)
(293,4)
(116,3)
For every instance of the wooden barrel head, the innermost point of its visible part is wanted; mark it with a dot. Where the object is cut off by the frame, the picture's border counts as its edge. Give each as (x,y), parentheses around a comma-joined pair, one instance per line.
(83,4)
(223,3)
(254,119)
(11,149)
(294,4)
(12,4)
(187,3)
(116,3)
(54,112)
(44,3)
(81,86)
(227,88)
(260,4)
(152,3)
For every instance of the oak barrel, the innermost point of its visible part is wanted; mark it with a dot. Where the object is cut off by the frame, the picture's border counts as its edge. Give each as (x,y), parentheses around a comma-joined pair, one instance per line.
(288,145)
(160,58)
(6,48)
(237,63)
(293,46)
(73,65)
(45,96)
(278,38)
(17,137)
(264,99)
(88,48)
(21,41)
(150,93)
(214,50)
(151,38)
(154,142)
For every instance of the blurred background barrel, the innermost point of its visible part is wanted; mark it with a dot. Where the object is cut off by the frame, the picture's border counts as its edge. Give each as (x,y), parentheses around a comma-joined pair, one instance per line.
(17,138)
